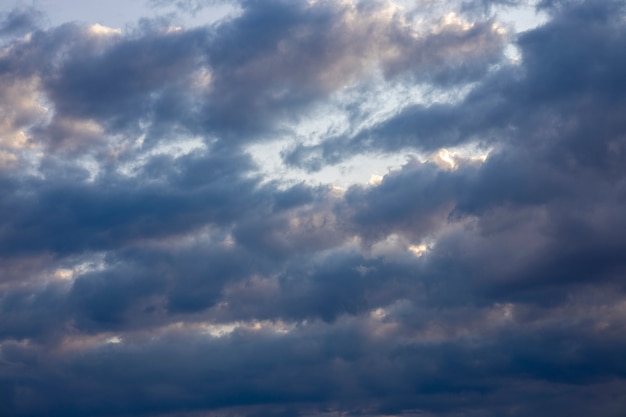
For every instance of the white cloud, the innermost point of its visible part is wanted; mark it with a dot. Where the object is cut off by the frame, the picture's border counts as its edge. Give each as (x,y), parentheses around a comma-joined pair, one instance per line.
(100,30)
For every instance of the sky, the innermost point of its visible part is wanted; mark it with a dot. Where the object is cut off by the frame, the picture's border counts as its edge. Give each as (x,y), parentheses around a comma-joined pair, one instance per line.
(313,208)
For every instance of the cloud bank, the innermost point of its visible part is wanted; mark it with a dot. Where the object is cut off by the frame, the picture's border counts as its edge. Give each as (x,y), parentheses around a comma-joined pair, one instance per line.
(150,267)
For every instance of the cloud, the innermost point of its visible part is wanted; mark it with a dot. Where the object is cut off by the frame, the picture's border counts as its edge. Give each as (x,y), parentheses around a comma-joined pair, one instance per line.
(500,109)
(19,21)
(149,267)
(258,69)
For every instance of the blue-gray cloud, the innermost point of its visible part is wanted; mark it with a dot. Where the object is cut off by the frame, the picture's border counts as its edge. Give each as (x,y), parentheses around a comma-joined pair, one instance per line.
(149,268)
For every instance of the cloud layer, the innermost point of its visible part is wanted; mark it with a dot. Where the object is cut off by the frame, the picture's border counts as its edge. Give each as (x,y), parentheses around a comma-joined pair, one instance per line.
(150,267)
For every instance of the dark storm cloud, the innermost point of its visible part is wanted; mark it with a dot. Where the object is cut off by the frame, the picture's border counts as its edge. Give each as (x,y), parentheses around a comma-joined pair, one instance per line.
(340,365)
(414,200)
(63,213)
(325,288)
(137,278)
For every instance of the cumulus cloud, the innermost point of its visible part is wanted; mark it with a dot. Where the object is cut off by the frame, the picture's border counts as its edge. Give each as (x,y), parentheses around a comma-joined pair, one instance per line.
(149,266)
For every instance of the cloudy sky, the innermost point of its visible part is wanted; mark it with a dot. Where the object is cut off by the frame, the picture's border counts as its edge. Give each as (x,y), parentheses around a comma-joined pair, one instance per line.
(313,208)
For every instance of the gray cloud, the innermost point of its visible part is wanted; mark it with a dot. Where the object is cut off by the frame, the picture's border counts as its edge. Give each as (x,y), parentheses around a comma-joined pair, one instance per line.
(148,267)
(19,21)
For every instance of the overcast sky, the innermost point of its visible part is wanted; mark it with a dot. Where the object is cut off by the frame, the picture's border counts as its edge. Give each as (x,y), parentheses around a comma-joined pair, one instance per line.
(322,208)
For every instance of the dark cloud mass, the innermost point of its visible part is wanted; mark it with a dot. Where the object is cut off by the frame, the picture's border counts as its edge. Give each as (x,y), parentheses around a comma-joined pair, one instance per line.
(151,264)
